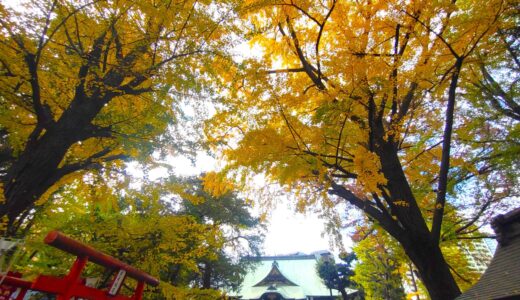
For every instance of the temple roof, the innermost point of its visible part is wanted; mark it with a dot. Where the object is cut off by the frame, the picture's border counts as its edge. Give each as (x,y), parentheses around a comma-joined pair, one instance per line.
(275,278)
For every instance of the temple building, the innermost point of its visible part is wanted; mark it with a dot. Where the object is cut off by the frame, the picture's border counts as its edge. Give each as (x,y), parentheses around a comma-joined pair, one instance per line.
(285,277)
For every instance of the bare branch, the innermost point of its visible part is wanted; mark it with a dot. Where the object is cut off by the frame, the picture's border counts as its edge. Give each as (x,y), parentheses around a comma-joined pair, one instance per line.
(318,39)
(93,162)
(289,70)
(389,224)
(305,64)
(445,158)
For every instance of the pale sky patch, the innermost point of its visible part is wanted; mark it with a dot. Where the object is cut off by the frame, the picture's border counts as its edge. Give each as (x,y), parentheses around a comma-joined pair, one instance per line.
(287,231)
(290,232)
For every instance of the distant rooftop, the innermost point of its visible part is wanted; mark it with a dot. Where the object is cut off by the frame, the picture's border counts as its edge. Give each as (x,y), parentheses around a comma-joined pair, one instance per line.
(292,256)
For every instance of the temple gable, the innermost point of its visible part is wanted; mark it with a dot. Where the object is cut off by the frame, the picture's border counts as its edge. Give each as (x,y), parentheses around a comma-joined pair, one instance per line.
(275,278)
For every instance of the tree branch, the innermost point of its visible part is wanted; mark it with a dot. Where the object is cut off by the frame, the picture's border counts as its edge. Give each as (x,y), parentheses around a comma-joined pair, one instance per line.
(387,223)
(289,70)
(445,158)
(318,39)
(438,35)
(93,162)
(305,64)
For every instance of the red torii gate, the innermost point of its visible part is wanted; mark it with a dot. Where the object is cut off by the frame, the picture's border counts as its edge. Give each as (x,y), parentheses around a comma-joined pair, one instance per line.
(72,284)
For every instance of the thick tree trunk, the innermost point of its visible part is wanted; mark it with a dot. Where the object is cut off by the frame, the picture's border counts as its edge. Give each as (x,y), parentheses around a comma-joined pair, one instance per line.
(415,237)
(433,269)
(38,167)
(33,173)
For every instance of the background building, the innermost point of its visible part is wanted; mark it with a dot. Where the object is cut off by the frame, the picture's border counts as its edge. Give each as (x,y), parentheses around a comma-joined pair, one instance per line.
(285,277)
(479,255)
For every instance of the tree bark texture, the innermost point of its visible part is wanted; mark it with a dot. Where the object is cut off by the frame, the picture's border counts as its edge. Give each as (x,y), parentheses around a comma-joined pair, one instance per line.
(206,276)
(38,167)
(416,238)
(405,222)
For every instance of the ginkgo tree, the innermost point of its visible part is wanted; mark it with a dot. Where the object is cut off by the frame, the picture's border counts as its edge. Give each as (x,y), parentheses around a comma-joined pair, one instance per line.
(86,84)
(170,228)
(364,102)
(378,270)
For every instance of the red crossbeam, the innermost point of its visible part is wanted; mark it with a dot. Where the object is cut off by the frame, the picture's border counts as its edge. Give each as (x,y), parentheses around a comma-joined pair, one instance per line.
(62,242)
(10,284)
(62,288)
(72,285)
(16,282)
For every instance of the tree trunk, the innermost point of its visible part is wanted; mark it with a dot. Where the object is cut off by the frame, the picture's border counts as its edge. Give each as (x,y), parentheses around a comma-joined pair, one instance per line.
(415,237)
(344,294)
(206,276)
(33,173)
(433,269)
(38,167)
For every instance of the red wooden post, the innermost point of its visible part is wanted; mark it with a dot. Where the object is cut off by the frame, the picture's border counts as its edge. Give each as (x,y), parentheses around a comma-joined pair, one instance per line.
(73,278)
(138,295)
(17,282)
(21,294)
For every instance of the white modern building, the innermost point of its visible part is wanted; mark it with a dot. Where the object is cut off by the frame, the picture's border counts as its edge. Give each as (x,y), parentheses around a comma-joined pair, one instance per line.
(479,255)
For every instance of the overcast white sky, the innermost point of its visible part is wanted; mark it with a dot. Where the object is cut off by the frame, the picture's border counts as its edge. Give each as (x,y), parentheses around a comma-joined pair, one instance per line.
(287,231)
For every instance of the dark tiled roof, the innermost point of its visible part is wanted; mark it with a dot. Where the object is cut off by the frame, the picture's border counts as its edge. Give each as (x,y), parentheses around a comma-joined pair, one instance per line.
(502,278)
(275,277)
